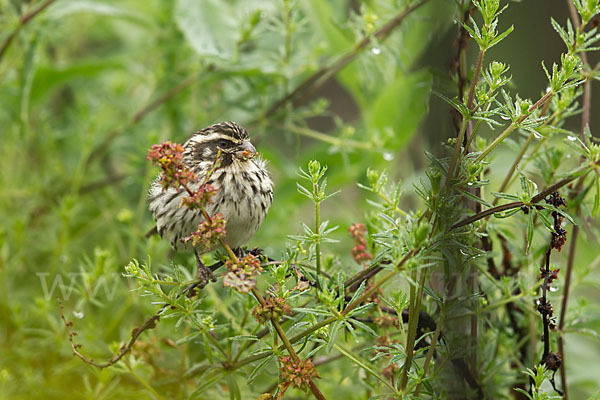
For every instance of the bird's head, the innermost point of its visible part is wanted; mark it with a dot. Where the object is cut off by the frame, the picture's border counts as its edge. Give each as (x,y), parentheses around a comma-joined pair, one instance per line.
(231,139)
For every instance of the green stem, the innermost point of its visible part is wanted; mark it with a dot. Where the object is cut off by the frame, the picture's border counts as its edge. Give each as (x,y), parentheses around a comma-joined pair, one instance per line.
(434,340)
(475,78)
(286,343)
(366,367)
(317,233)
(457,146)
(496,141)
(514,165)
(413,321)
(513,126)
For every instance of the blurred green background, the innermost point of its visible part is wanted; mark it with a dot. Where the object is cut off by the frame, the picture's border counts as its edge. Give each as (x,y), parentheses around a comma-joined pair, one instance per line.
(86,87)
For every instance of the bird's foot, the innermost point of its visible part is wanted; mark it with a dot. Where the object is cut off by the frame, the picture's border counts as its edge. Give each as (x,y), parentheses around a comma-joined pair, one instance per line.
(204,275)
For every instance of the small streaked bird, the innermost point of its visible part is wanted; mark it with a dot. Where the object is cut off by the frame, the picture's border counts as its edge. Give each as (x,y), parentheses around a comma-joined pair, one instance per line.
(245,190)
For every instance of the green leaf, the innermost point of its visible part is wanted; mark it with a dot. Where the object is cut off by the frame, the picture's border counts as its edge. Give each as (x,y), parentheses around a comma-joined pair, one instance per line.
(505,196)
(257,370)
(530,229)
(568,39)
(333,332)
(558,210)
(597,196)
(365,328)
(209,26)
(476,199)
(500,37)
(358,292)
(243,338)
(207,349)
(547,221)
(456,103)
(234,389)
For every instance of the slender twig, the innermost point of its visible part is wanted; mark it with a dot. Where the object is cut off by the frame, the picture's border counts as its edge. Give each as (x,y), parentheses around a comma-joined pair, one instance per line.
(150,323)
(413,322)
(513,167)
(432,346)
(475,79)
(513,126)
(585,120)
(364,366)
(319,77)
(317,232)
(22,22)
(515,204)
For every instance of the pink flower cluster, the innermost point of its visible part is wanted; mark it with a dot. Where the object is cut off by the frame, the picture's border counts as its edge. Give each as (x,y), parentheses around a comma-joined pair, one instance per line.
(208,233)
(169,157)
(359,251)
(298,373)
(274,308)
(200,198)
(242,276)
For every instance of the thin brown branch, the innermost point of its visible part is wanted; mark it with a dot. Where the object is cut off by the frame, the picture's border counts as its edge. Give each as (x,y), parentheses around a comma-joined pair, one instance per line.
(321,76)
(515,204)
(585,121)
(150,323)
(475,79)
(22,22)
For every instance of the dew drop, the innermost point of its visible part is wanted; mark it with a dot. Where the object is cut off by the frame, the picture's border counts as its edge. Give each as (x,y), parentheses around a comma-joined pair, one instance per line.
(375,50)
(537,135)
(504,117)
(470,184)
(571,138)
(387,156)
(553,288)
(78,314)
(568,156)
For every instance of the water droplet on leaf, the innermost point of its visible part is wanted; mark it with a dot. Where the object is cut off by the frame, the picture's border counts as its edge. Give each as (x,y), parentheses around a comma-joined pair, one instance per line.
(376,50)
(387,156)
(78,314)
(571,138)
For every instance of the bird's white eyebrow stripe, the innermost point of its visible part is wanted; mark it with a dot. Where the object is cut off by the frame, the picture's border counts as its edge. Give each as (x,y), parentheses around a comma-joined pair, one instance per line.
(210,138)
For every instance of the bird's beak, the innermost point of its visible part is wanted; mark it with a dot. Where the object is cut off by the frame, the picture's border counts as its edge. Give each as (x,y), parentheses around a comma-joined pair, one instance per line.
(246,149)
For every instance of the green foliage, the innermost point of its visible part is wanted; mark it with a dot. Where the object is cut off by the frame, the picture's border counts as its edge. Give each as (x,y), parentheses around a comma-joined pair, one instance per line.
(432,297)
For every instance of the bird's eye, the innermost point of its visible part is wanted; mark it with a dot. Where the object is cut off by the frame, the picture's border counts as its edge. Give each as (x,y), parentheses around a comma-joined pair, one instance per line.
(224,143)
